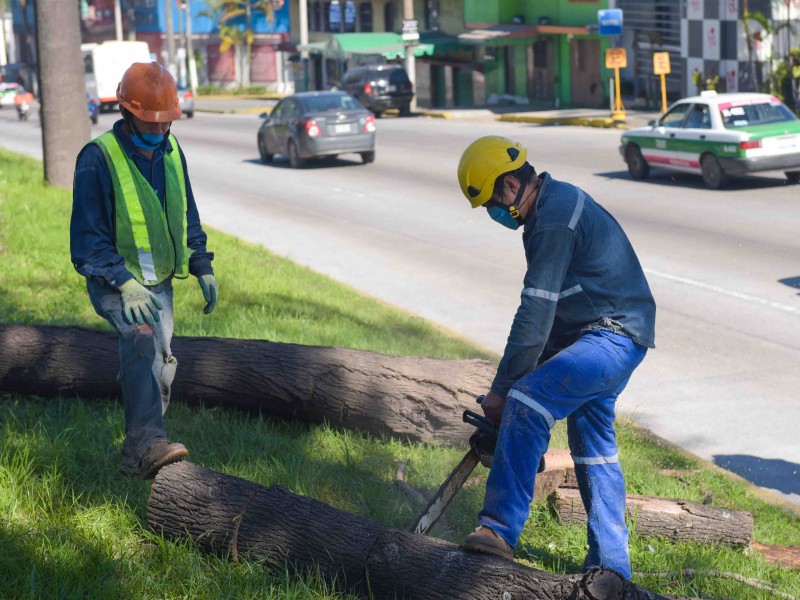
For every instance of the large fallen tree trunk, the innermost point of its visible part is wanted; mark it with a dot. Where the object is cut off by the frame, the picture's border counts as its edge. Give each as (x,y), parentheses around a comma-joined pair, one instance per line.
(676,520)
(413,398)
(241,519)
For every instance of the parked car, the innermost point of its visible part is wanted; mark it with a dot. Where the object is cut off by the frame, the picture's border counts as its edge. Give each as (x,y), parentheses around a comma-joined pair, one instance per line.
(316,124)
(379,87)
(93,105)
(7,93)
(186,100)
(717,136)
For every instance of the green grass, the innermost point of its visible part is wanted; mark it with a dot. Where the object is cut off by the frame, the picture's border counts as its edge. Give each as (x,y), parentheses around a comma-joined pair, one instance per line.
(71,527)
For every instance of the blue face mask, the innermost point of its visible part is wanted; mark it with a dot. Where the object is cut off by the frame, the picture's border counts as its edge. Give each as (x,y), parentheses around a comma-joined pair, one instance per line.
(503,217)
(147,141)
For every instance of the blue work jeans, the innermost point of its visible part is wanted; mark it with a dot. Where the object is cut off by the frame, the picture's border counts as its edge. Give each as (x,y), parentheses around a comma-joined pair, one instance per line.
(581,383)
(146,366)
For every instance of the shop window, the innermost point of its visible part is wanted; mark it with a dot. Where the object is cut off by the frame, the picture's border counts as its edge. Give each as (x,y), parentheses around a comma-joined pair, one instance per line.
(388,16)
(365,16)
(315,20)
(350,16)
(432,15)
(334,16)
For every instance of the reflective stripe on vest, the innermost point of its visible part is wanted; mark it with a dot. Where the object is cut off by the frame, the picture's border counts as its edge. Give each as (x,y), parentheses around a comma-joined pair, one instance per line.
(151,239)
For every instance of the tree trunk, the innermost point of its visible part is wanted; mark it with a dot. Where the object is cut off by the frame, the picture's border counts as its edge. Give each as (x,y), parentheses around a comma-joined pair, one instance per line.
(240,519)
(62,88)
(676,520)
(420,399)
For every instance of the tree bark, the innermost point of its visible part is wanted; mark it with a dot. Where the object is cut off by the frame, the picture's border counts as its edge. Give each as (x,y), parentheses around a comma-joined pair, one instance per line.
(62,88)
(241,519)
(676,520)
(420,399)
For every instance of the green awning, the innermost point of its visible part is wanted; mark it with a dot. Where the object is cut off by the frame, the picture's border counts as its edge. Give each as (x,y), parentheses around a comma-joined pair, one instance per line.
(389,45)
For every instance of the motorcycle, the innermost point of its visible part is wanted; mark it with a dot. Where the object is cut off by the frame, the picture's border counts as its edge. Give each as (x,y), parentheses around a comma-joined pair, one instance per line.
(22,111)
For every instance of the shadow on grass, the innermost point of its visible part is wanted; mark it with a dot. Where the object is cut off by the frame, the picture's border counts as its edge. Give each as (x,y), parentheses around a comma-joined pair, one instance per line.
(26,567)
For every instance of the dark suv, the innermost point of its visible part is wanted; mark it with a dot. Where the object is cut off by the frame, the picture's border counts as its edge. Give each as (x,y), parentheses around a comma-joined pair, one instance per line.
(379,87)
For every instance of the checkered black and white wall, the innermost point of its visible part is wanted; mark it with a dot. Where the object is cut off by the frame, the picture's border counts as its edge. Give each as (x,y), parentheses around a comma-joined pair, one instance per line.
(713,42)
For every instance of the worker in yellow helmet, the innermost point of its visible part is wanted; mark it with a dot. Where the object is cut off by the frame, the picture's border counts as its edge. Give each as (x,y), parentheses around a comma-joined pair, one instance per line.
(134,228)
(585,321)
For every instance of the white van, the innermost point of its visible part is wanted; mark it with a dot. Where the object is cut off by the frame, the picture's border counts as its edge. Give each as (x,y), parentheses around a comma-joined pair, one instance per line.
(104,65)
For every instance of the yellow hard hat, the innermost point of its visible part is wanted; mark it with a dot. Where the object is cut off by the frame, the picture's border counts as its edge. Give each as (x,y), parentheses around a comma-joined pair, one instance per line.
(485,160)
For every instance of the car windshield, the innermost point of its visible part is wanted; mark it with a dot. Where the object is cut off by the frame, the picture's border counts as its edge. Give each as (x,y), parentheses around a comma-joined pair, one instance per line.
(756,112)
(330,102)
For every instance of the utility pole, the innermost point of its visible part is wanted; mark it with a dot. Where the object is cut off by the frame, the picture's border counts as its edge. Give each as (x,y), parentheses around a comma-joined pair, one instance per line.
(187,6)
(118,19)
(62,88)
(304,42)
(170,38)
(410,32)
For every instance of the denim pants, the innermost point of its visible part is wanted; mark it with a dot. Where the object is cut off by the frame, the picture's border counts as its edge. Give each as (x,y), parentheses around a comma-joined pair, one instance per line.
(146,366)
(581,383)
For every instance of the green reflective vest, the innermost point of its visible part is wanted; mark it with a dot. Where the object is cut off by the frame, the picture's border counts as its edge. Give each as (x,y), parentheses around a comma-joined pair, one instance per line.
(151,239)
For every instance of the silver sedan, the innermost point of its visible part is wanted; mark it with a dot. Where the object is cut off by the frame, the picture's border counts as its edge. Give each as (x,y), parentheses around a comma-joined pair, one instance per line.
(317,124)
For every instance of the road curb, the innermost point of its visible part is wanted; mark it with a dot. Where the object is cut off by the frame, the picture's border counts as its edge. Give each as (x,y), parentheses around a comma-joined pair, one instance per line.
(602,122)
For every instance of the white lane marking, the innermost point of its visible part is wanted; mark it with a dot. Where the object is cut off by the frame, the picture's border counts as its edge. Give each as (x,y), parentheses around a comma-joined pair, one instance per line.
(720,290)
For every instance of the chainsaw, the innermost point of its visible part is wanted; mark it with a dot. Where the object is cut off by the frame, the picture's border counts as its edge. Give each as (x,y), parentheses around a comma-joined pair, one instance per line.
(482,445)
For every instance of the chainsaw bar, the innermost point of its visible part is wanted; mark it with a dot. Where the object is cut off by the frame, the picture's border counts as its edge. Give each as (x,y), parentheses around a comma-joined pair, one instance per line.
(445,494)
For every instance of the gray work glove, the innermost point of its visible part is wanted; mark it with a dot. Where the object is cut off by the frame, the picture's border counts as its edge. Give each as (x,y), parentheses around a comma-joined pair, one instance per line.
(210,287)
(138,304)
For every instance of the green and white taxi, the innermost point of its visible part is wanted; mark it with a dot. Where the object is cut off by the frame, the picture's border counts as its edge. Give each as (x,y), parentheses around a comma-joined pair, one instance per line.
(717,136)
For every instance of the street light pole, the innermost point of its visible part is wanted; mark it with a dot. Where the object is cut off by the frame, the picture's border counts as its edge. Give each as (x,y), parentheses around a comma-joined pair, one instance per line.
(190,48)
(118,19)
(411,67)
(304,41)
(170,37)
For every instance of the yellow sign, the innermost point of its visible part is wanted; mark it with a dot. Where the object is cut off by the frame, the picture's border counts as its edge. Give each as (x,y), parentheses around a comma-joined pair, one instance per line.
(661,63)
(616,58)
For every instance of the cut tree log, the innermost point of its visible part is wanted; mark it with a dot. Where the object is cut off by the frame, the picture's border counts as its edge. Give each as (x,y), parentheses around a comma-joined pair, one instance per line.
(676,520)
(419,399)
(241,519)
(784,556)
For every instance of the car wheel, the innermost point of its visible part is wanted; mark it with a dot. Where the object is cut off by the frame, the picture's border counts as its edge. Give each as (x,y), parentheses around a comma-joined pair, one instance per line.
(189,114)
(405,111)
(378,113)
(713,175)
(95,119)
(637,165)
(368,157)
(792,176)
(294,156)
(266,157)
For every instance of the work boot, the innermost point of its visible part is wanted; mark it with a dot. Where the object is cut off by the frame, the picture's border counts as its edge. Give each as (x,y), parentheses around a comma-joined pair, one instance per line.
(158,454)
(487,541)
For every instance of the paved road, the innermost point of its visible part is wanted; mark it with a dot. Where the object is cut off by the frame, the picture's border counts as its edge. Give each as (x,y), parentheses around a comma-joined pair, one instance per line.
(724,266)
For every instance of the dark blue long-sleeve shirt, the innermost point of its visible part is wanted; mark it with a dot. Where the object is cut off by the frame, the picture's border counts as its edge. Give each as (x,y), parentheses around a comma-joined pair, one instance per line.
(582,274)
(92,234)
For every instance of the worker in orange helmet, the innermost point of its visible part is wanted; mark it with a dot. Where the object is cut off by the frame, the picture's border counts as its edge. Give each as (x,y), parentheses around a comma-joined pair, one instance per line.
(135,227)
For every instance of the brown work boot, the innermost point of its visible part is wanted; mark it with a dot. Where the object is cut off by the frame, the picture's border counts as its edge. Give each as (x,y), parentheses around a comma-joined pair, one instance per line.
(159,454)
(487,541)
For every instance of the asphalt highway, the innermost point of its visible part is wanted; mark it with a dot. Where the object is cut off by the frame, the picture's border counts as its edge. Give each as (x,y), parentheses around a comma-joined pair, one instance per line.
(724,266)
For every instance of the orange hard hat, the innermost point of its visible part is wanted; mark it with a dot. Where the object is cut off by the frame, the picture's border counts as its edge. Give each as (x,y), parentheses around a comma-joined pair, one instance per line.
(149,92)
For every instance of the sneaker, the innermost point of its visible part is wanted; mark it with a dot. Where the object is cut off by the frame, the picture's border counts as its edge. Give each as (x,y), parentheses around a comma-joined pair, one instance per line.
(487,541)
(159,454)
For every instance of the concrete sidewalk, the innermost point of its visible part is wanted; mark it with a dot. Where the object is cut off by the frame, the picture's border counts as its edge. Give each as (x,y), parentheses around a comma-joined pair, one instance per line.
(538,114)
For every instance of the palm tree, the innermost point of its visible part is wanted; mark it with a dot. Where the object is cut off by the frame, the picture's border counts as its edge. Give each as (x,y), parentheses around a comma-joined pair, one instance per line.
(235,23)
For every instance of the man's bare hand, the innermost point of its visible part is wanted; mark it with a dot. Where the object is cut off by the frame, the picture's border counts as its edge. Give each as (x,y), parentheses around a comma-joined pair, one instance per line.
(492,406)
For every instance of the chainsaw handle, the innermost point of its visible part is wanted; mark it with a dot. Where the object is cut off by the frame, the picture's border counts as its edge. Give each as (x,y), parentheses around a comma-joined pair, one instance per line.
(479,421)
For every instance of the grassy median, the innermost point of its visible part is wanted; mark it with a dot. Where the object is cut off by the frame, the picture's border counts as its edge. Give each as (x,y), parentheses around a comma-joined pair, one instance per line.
(71,527)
